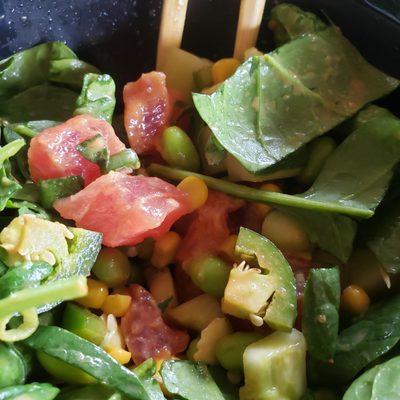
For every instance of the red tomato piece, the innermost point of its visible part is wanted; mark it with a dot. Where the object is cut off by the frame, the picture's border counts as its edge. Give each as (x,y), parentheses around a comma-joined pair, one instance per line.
(53,153)
(147,110)
(125,209)
(208,227)
(145,332)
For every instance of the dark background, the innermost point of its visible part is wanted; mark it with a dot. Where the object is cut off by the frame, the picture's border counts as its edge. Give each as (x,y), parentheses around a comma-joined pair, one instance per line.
(120,36)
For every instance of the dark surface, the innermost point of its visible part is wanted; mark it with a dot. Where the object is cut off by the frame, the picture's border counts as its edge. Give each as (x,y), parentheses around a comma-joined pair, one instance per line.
(120,36)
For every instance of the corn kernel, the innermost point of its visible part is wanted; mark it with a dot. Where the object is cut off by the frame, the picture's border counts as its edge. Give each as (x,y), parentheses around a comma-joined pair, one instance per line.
(161,285)
(223,69)
(264,209)
(196,189)
(355,299)
(121,355)
(97,294)
(165,249)
(227,248)
(116,304)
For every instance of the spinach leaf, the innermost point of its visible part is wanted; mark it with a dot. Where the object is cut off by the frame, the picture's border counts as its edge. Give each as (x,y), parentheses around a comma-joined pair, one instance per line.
(320,321)
(30,67)
(32,391)
(90,358)
(146,371)
(12,366)
(276,103)
(289,22)
(189,380)
(385,239)
(69,71)
(39,103)
(28,275)
(369,337)
(26,207)
(331,232)
(92,392)
(380,382)
(358,172)
(97,97)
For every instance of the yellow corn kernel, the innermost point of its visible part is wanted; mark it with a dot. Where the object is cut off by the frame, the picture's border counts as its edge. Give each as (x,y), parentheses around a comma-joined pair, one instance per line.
(165,249)
(223,69)
(355,299)
(161,285)
(227,248)
(117,304)
(262,208)
(97,294)
(196,189)
(121,355)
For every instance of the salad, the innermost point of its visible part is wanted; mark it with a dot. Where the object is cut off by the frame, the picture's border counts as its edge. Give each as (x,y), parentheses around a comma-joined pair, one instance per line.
(233,233)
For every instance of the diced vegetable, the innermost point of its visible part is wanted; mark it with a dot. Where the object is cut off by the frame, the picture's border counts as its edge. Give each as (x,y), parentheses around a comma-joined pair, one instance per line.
(126,158)
(275,367)
(320,321)
(196,190)
(83,323)
(95,150)
(230,349)
(116,304)
(51,190)
(197,313)
(62,370)
(223,69)
(96,295)
(205,351)
(165,249)
(178,150)
(210,274)
(161,286)
(112,267)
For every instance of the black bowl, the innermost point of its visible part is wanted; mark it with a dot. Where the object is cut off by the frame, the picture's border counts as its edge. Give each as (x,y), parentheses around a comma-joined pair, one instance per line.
(120,36)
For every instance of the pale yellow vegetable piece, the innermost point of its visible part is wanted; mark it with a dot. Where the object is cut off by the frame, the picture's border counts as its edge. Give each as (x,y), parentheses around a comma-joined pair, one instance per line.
(161,285)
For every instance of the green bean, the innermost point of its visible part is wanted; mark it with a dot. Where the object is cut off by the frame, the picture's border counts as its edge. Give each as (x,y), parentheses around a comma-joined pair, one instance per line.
(210,273)
(320,150)
(112,267)
(13,370)
(63,371)
(230,349)
(178,150)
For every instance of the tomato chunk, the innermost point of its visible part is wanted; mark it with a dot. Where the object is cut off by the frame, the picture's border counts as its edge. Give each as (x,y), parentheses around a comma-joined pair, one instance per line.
(147,110)
(208,227)
(53,153)
(145,332)
(125,209)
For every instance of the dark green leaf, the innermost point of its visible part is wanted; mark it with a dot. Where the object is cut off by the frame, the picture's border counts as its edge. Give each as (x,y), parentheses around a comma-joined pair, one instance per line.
(380,382)
(97,97)
(32,391)
(13,370)
(30,67)
(320,320)
(289,22)
(274,104)
(28,275)
(69,71)
(189,380)
(146,371)
(51,190)
(385,239)
(95,150)
(26,207)
(369,337)
(358,172)
(331,232)
(88,357)
(39,103)
(92,392)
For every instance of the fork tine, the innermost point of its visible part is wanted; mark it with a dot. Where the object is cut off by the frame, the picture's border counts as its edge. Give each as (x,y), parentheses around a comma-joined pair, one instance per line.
(250,17)
(171,28)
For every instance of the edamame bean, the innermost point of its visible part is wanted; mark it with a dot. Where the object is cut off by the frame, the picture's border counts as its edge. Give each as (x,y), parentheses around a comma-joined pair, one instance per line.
(112,267)
(230,349)
(320,149)
(210,273)
(178,150)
